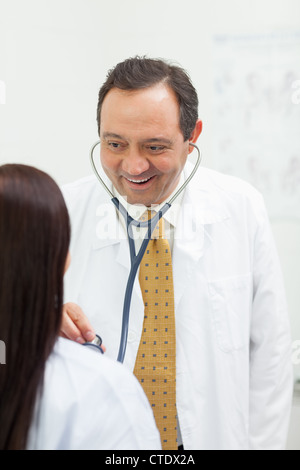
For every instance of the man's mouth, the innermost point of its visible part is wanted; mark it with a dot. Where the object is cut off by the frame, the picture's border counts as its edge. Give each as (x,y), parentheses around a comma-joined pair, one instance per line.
(139,183)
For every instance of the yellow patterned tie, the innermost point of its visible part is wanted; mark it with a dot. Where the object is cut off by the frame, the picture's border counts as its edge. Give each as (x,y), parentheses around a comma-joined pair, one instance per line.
(155,365)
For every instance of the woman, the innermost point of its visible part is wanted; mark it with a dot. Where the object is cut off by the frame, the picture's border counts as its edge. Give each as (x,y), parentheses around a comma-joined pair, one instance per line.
(54,394)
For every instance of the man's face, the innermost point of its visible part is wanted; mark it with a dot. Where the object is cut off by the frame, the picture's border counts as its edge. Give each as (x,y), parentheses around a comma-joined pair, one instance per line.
(142,146)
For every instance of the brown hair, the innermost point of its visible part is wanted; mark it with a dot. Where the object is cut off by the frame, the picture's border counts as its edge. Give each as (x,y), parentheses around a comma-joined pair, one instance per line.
(34,240)
(140,72)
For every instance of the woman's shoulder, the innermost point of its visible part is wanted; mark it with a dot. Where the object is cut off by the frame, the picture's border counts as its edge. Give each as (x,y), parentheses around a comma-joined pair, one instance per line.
(89,402)
(84,367)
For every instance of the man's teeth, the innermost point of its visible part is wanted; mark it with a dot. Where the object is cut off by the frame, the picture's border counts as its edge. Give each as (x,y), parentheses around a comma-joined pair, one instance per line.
(139,181)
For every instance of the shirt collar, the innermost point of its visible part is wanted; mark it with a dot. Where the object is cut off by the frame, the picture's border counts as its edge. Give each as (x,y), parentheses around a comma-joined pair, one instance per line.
(137,210)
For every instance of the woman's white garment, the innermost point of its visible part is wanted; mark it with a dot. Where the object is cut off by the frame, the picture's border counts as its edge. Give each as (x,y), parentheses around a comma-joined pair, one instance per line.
(90,402)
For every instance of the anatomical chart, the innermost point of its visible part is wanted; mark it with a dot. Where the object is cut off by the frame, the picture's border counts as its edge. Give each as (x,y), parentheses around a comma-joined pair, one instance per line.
(257,115)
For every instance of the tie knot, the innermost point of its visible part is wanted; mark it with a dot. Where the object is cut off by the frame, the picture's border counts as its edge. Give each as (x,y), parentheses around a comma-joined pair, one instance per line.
(159,229)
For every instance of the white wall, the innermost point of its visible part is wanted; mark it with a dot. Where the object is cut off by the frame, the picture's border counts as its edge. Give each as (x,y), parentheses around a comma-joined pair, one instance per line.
(54,55)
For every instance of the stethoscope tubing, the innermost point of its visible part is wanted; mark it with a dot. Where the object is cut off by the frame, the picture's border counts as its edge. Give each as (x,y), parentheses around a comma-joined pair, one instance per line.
(136,258)
(135,262)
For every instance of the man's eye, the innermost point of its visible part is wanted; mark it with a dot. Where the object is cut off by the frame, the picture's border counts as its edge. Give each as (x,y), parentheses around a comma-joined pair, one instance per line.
(156,148)
(116,146)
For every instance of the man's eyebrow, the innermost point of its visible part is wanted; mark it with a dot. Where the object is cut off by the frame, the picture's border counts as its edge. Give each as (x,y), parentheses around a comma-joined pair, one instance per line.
(161,140)
(151,140)
(111,135)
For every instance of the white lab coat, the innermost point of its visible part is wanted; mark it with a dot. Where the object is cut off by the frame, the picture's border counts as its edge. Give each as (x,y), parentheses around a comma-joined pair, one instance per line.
(234,371)
(90,402)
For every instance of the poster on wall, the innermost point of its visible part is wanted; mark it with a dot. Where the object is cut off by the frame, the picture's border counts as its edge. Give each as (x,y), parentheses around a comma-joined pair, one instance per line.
(257,115)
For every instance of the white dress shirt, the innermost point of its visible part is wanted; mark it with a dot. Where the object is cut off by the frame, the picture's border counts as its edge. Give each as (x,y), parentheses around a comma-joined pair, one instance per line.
(137,210)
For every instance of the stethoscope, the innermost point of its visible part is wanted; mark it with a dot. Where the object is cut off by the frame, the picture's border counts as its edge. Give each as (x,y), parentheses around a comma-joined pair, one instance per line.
(135,258)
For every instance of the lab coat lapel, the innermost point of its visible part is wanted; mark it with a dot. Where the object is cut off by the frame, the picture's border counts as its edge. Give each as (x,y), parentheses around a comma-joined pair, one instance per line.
(188,246)
(112,232)
(201,206)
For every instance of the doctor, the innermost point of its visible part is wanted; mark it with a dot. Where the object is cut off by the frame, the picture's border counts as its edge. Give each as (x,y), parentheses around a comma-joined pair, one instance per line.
(233,365)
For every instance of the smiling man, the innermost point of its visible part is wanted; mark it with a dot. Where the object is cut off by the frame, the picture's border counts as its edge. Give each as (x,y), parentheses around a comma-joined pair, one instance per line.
(143,149)
(208,333)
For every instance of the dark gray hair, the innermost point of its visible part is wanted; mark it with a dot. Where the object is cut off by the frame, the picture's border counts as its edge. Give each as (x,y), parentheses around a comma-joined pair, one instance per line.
(141,72)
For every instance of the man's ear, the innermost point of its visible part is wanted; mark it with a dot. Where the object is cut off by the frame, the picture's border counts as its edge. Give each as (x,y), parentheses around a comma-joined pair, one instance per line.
(195,134)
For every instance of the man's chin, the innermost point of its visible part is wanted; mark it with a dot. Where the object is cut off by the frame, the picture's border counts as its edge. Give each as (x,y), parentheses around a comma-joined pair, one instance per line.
(138,197)
(140,200)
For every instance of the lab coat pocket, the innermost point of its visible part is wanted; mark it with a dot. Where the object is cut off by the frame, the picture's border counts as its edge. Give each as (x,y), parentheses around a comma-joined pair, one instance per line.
(231,301)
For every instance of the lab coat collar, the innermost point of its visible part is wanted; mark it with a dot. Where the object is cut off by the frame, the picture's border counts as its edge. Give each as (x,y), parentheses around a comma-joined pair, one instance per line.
(205,196)
(201,204)
(112,233)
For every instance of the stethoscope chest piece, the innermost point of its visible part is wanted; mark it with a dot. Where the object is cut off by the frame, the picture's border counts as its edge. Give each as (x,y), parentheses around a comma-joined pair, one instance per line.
(95,344)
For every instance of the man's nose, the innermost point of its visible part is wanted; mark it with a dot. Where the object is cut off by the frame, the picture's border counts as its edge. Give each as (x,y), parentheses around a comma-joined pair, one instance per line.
(135,164)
